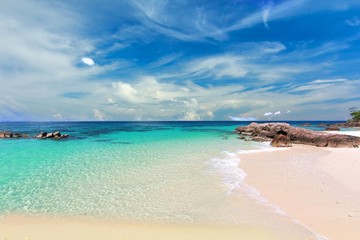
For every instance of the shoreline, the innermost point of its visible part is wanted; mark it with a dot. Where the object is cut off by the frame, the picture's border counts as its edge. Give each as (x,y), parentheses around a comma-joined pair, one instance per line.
(316,187)
(44,228)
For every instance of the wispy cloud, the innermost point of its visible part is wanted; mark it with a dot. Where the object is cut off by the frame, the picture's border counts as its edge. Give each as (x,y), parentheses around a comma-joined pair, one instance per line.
(265,17)
(353,22)
(265,62)
(165,60)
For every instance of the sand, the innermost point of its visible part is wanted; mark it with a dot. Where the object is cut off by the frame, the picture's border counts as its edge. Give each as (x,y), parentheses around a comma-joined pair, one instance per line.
(317,187)
(46,228)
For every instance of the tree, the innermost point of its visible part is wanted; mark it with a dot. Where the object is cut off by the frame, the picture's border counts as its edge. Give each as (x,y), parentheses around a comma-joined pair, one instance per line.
(355,115)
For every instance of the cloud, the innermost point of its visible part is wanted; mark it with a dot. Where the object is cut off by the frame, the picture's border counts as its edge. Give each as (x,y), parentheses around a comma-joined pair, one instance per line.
(353,22)
(242,118)
(58,116)
(289,9)
(98,115)
(262,63)
(265,18)
(268,114)
(165,60)
(155,99)
(190,116)
(277,113)
(87,61)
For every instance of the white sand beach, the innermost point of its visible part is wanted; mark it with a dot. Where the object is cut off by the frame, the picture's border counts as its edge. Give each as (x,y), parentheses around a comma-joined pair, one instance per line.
(44,228)
(318,187)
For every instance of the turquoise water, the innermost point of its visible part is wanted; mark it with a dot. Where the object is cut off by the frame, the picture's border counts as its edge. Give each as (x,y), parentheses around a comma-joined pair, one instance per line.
(155,171)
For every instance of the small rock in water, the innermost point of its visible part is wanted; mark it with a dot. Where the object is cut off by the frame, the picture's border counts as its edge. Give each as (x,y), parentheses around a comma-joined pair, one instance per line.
(49,135)
(332,128)
(41,135)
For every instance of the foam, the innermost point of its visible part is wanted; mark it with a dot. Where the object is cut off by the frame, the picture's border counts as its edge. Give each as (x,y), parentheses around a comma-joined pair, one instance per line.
(351,133)
(233,177)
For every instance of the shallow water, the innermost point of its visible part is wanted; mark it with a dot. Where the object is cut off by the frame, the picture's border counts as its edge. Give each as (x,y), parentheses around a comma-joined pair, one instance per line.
(154,171)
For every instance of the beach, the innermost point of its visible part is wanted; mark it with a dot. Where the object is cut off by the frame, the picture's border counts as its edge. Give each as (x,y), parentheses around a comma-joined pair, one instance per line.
(317,187)
(172,181)
(45,228)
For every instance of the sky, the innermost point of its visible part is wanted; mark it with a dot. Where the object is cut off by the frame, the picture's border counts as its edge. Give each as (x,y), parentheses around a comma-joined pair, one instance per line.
(149,60)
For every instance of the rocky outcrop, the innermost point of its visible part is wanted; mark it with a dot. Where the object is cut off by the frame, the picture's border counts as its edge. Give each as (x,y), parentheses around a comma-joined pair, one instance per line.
(281,139)
(284,135)
(332,128)
(42,135)
(13,135)
(348,124)
(53,135)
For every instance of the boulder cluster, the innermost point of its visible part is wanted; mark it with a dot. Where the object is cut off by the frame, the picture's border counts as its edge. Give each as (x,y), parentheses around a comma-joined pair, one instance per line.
(42,135)
(13,135)
(284,135)
(54,135)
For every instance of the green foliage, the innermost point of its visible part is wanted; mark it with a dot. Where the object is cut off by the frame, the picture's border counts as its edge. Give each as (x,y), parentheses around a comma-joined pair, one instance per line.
(355,115)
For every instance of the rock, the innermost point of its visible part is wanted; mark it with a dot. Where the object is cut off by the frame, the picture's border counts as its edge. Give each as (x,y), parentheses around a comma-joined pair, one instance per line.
(281,140)
(57,134)
(64,136)
(282,134)
(332,128)
(6,135)
(49,135)
(13,135)
(323,125)
(41,135)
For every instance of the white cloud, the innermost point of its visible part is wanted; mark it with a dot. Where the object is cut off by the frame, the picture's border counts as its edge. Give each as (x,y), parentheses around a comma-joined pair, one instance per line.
(277,113)
(58,116)
(88,61)
(268,114)
(165,60)
(190,116)
(210,115)
(265,17)
(218,67)
(288,9)
(242,118)
(261,62)
(98,115)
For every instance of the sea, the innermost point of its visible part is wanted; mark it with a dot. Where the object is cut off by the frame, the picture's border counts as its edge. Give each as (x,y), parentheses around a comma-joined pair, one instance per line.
(177,172)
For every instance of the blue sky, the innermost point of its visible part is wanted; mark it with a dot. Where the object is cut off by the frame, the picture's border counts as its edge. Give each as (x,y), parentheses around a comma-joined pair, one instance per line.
(179,60)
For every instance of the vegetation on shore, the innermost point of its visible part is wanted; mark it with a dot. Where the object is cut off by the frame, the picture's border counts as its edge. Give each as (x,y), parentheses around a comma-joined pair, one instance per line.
(355,115)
